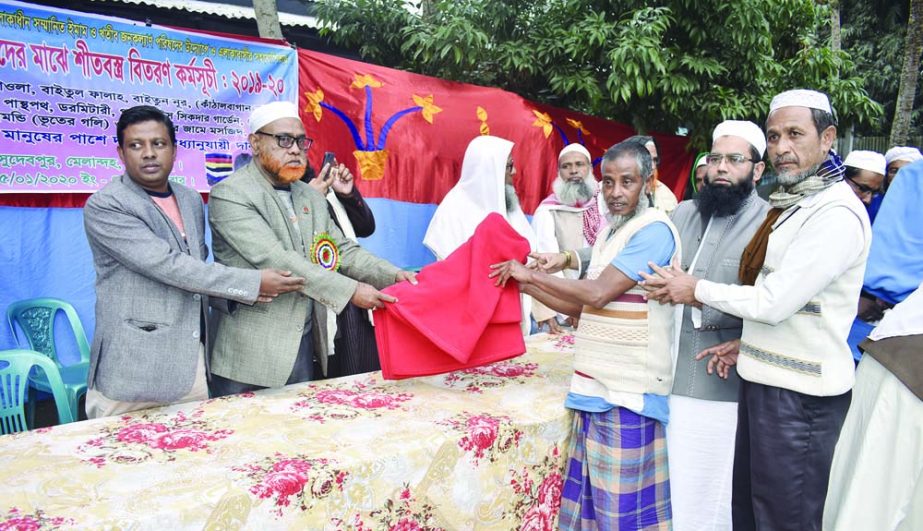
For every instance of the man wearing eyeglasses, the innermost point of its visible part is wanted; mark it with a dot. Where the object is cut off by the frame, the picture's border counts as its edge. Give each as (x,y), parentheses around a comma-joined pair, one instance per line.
(865,173)
(714,229)
(263,214)
(800,277)
(569,218)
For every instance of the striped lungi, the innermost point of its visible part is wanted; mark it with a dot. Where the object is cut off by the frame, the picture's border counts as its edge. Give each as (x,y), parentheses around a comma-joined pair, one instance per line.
(617,474)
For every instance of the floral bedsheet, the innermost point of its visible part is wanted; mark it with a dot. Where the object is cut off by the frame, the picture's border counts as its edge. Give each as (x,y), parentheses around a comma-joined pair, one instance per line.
(482,448)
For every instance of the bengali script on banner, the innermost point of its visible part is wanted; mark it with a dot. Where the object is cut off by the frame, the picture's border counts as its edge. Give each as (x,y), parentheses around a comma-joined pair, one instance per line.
(65,78)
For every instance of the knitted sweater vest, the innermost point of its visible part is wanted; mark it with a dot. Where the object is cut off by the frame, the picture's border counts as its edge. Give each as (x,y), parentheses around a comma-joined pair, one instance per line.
(625,346)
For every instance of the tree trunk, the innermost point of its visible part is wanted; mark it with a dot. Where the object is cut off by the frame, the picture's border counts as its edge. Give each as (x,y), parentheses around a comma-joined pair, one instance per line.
(267,19)
(835,26)
(910,75)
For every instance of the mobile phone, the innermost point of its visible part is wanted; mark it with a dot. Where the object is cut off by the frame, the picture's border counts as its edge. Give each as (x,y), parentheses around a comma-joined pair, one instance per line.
(329,158)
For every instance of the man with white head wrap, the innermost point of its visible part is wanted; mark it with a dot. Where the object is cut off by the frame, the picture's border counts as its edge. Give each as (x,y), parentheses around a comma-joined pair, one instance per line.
(570,217)
(801,276)
(264,215)
(898,157)
(714,228)
(485,186)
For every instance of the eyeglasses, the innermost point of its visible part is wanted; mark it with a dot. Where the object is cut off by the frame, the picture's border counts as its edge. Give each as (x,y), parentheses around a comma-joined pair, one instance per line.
(863,189)
(736,159)
(286,141)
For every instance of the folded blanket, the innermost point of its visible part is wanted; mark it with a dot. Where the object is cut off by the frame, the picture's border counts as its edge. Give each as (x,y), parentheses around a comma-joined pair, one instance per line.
(455,318)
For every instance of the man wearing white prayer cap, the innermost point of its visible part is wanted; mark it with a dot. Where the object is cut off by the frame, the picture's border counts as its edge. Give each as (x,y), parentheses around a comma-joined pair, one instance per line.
(865,173)
(263,215)
(800,277)
(898,157)
(569,218)
(714,228)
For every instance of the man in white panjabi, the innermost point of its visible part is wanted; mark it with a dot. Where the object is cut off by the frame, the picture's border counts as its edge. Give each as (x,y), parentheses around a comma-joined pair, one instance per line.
(714,229)
(800,280)
(876,480)
(485,186)
(569,218)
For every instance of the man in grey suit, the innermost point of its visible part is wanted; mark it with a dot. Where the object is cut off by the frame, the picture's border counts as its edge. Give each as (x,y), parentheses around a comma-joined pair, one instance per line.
(152,282)
(262,215)
(714,229)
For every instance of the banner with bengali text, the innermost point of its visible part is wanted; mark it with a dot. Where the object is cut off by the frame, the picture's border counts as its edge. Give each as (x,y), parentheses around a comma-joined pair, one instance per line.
(65,77)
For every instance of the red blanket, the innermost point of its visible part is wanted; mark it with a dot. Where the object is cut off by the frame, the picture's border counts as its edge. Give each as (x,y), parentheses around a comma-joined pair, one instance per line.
(455,318)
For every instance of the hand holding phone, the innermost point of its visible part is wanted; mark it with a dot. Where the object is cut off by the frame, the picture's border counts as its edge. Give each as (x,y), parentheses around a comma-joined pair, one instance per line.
(330,158)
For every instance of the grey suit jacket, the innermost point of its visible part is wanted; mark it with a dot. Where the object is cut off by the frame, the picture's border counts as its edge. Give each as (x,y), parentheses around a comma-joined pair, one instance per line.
(718,261)
(152,288)
(251,228)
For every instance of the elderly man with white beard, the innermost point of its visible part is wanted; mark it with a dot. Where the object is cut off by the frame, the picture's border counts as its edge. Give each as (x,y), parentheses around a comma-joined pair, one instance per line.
(617,475)
(569,218)
(800,279)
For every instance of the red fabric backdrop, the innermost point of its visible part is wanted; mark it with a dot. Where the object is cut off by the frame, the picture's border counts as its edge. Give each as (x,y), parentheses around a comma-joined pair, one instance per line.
(425,146)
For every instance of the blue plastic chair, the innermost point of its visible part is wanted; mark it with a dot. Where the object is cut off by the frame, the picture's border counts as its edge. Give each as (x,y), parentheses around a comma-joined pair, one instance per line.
(35,318)
(15,367)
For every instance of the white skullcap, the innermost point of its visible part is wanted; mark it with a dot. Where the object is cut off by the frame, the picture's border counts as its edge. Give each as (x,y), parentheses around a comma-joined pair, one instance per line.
(749,131)
(801,98)
(271,112)
(910,154)
(866,160)
(703,161)
(578,148)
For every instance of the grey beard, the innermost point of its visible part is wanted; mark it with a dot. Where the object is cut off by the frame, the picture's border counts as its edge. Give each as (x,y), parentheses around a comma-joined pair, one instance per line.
(512,200)
(617,222)
(571,193)
(795,178)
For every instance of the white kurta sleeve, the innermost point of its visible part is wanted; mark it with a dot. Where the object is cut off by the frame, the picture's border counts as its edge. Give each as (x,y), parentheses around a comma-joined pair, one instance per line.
(826,245)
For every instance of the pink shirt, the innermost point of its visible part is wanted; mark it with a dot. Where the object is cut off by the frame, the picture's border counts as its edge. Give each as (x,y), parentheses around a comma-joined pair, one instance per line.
(169,207)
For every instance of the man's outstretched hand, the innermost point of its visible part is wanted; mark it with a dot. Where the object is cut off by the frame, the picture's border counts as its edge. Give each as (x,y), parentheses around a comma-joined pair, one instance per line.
(510,269)
(367,297)
(274,282)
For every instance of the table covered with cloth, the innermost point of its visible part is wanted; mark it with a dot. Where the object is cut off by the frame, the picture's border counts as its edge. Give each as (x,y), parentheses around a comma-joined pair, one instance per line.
(482,448)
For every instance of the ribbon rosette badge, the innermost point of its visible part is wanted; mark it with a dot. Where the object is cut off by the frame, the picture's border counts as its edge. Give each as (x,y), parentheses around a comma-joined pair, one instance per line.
(324,252)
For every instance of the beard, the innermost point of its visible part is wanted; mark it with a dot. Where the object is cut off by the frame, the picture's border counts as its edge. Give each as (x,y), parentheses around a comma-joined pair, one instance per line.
(616,221)
(573,193)
(284,173)
(723,201)
(512,200)
(789,179)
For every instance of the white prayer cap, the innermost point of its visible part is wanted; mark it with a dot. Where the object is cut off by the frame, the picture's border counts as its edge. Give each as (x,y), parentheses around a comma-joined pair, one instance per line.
(703,161)
(271,112)
(578,148)
(749,131)
(801,98)
(910,154)
(866,160)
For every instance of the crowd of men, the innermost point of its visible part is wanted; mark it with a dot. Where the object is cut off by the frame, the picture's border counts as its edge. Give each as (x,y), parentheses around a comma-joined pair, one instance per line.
(712,371)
